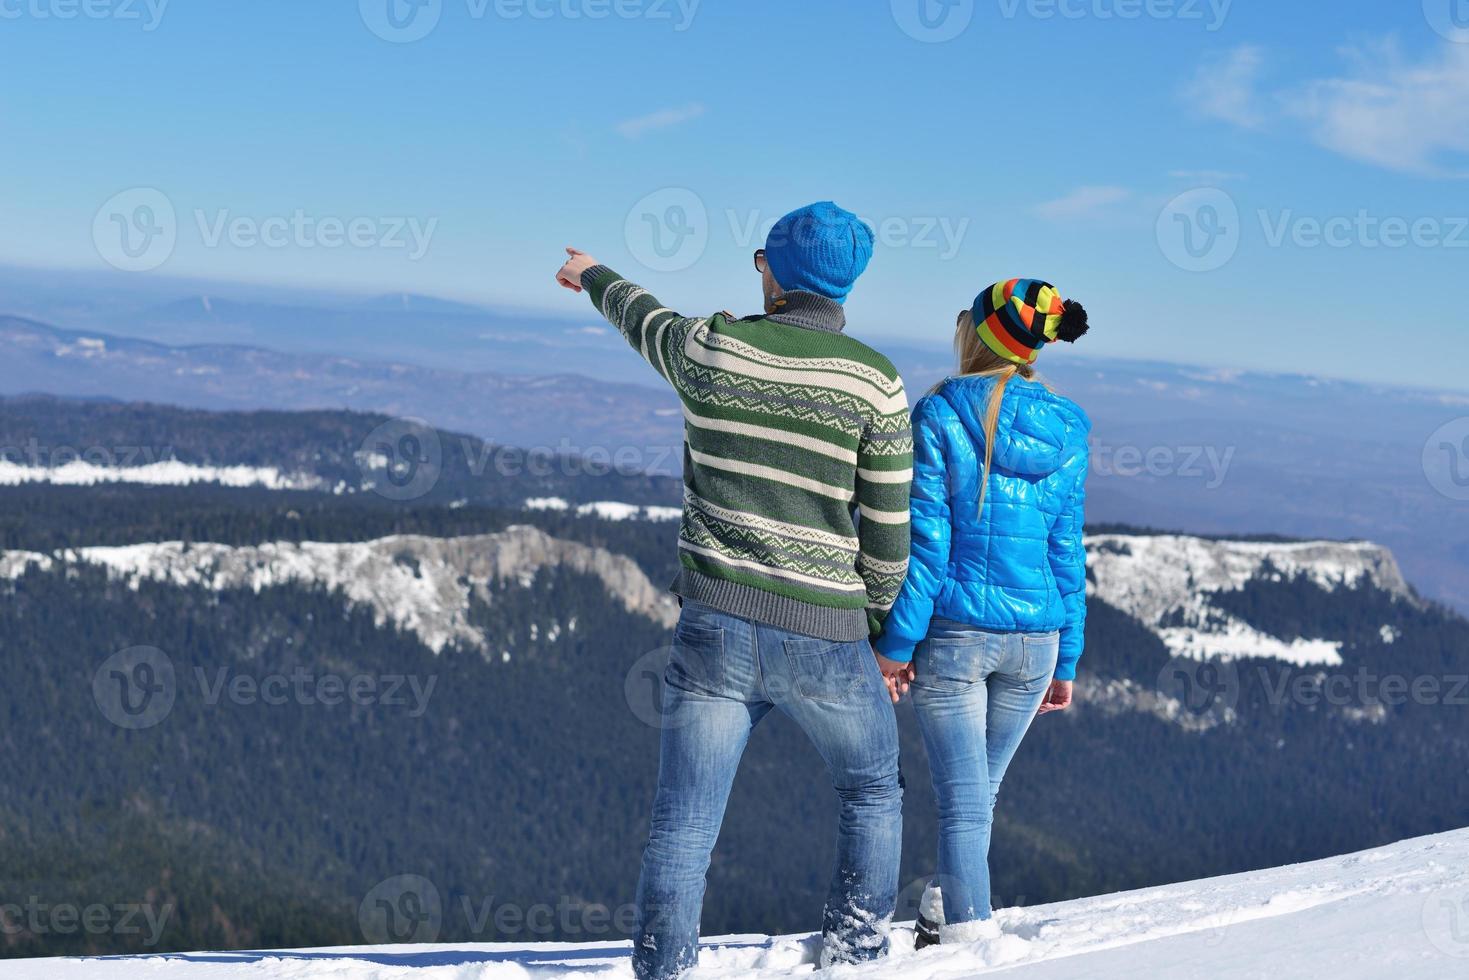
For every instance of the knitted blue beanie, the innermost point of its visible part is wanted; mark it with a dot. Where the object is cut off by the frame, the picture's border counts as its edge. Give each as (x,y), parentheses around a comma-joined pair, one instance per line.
(820,249)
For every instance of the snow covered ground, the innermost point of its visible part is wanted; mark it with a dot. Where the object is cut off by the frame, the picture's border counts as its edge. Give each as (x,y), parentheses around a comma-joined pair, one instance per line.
(162,473)
(1400,911)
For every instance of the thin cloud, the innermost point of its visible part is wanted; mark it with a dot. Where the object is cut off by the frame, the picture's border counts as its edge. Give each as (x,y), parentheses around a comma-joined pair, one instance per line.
(662,119)
(1404,116)
(1227,88)
(1084,202)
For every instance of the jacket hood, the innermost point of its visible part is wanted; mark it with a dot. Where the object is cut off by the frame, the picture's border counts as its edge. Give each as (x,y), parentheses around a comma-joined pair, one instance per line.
(1038,430)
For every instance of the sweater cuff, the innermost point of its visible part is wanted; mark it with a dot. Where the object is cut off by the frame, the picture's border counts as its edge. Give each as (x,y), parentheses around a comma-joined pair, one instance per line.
(597,274)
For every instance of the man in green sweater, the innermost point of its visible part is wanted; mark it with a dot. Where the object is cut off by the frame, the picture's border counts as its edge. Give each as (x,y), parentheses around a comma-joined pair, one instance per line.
(794,544)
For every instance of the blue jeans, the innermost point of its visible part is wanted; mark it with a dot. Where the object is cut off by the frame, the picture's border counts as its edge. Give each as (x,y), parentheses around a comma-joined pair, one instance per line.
(724,675)
(976,694)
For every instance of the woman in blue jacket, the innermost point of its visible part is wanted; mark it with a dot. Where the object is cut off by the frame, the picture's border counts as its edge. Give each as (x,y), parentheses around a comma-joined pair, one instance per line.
(988,626)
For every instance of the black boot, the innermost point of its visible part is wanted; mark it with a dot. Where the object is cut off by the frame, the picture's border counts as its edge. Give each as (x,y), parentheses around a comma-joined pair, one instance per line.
(925,933)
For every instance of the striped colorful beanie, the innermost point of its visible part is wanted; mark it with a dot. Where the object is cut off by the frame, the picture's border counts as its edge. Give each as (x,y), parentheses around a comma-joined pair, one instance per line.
(1015,319)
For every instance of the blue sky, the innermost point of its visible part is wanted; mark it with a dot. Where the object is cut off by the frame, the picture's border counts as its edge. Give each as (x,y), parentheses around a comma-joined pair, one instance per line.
(1247,184)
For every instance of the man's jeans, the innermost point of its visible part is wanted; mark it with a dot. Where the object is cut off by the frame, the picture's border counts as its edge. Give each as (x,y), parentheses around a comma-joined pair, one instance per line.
(976,694)
(726,674)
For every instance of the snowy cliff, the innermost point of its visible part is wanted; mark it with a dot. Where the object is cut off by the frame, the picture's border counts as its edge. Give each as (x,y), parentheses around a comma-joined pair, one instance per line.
(1168,583)
(425,585)
(420,584)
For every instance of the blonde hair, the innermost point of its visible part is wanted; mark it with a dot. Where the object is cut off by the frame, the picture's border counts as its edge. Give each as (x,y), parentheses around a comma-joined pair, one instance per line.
(976,360)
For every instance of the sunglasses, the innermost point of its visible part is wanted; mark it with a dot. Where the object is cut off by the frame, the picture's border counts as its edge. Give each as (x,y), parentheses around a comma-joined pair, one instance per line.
(760,260)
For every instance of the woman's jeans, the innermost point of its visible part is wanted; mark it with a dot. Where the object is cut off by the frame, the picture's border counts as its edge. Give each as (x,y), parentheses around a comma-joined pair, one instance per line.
(725,674)
(976,694)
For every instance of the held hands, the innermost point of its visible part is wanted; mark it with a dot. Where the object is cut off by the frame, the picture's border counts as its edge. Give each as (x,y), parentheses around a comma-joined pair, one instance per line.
(570,275)
(897,676)
(1058,698)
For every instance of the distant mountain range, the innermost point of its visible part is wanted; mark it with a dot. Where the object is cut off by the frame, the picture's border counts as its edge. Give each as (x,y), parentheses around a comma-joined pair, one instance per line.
(1174,446)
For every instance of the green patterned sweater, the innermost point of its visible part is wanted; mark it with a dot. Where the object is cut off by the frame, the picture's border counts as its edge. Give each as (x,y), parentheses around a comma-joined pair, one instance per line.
(797,459)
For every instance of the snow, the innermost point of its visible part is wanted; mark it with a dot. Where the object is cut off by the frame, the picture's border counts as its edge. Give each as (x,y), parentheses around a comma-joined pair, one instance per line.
(608,510)
(422,585)
(163,473)
(1171,578)
(1398,911)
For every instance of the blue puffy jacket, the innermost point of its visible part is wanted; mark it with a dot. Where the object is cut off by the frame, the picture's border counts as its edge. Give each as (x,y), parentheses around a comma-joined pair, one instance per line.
(1020,567)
